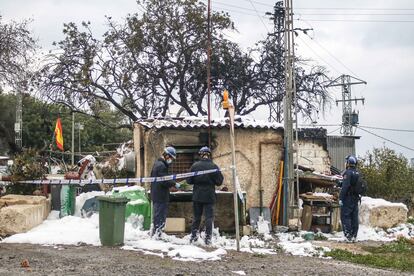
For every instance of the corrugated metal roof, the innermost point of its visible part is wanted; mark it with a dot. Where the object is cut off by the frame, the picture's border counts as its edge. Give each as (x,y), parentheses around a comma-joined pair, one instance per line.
(202,122)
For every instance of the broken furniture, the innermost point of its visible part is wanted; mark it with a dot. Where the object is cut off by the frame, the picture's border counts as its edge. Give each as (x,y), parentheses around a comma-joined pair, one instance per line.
(320,209)
(320,212)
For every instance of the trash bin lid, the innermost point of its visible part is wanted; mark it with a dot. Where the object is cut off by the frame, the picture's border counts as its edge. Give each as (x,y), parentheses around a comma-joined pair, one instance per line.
(114,199)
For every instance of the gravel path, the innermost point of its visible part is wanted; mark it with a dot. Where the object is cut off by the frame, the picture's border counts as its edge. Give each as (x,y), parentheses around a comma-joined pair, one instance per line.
(88,260)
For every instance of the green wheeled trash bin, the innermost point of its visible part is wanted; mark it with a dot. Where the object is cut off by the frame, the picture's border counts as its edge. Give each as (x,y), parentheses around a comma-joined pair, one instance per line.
(112,219)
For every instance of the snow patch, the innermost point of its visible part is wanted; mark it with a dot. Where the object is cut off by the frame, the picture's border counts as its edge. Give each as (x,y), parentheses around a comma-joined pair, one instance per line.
(262,226)
(379,202)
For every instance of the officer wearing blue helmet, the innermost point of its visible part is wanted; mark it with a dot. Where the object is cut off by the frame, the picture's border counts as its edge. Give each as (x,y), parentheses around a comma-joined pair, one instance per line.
(349,200)
(204,194)
(160,191)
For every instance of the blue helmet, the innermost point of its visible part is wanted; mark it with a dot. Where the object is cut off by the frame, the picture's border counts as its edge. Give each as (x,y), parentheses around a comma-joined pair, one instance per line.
(351,160)
(204,150)
(170,151)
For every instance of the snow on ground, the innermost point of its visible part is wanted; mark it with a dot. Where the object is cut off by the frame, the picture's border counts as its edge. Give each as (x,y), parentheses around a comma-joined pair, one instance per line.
(74,230)
(379,202)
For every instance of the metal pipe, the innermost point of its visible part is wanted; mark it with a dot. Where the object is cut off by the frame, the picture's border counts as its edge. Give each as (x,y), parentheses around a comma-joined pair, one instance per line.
(233,159)
(209,70)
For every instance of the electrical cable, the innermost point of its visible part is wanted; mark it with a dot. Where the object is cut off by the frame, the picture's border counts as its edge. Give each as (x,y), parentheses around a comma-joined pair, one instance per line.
(356,14)
(237,7)
(340,8)
(349,20)
(327,63)
(251,2)
(385,139)
(389,129)
(339,61)
(360,9)
(334,130)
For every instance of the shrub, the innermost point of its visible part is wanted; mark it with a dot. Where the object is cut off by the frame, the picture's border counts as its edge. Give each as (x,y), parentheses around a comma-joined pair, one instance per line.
(388,175)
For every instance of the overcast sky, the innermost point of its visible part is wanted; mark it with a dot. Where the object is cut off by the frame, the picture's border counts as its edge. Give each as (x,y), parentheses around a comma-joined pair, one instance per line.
(366,39)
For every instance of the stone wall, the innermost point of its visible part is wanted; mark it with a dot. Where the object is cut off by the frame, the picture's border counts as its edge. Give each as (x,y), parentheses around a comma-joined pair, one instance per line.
(313,154)
(258,155)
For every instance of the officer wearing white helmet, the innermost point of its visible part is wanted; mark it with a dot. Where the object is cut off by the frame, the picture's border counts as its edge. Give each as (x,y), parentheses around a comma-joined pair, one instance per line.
(349,200)
(160,191)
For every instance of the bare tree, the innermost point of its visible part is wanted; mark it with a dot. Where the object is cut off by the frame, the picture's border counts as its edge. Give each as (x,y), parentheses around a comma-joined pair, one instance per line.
(17,49)
(157,59)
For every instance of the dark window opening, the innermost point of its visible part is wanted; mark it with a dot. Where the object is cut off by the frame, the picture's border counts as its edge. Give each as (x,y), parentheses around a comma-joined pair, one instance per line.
(186,156)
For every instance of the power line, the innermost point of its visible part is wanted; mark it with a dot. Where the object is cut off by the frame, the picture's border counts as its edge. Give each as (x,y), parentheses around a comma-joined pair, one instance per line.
(389,129)
(339,8)
(322,59)
(237,7)
(360,9)
(240,12)
(335,58)
(344,14)
(334,130)
(260,3)
(357,20)
(386,139)
(251,2)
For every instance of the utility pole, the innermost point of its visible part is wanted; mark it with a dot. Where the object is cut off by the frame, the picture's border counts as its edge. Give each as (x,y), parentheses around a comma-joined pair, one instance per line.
(19,119)
(288,188)
(350,118)
(278,17)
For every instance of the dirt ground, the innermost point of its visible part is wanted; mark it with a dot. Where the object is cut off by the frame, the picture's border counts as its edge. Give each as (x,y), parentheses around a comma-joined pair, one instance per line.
(89,260)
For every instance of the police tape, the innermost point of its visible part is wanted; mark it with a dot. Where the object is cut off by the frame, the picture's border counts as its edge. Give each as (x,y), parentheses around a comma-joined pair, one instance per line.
(115,181)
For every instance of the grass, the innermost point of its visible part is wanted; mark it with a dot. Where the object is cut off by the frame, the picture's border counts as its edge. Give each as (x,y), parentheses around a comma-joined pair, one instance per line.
(410,220)
(396,255)
(320,237)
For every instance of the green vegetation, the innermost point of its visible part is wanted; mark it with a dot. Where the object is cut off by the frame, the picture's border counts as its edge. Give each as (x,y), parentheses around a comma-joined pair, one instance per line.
(397,255)
(27,165)
(388,175)
(320,237)
(39,119)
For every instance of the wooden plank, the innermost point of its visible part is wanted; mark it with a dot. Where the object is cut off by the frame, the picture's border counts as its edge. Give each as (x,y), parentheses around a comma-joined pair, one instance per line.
(306,217)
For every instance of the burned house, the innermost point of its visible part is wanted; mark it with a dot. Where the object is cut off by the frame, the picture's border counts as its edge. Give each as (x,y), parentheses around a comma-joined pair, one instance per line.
(259,150)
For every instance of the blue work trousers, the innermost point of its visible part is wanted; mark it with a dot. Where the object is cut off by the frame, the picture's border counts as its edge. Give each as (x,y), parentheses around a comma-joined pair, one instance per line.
(198,209)
(349,217)
(160,210)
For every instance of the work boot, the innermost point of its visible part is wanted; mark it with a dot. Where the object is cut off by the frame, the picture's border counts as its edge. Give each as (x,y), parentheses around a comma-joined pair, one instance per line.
(193,238)
(207,241)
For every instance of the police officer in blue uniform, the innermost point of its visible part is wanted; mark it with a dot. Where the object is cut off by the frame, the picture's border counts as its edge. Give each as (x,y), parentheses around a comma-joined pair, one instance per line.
(160,191)
(349,200)
(204,194)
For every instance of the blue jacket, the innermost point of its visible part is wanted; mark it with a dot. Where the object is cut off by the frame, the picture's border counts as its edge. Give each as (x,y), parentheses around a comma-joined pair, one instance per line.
(350,177)
(204,185)
(160,191)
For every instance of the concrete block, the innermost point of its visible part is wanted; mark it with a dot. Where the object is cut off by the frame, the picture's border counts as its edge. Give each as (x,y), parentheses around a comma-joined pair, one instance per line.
(10,200)
(376,212)
(20,218)
(247,230)
(175,225)
(22,199)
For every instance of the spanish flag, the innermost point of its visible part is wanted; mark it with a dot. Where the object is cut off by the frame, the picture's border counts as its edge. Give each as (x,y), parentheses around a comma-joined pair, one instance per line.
(59,134)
